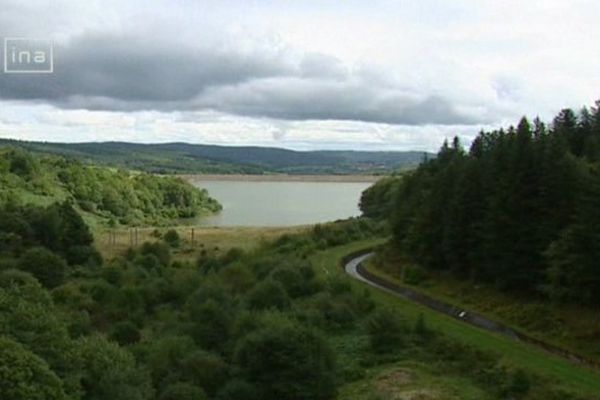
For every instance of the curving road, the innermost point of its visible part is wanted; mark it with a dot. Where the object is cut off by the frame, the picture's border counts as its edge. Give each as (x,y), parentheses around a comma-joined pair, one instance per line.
(355,269)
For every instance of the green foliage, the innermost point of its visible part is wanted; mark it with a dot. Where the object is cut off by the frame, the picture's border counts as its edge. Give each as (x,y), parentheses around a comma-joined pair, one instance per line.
(288,361)
(377,201)
(21,163)
(386,331)
(160,250)
(125,333)
(211,324)
(244,325)
(413,274)
(205,370)
(164,357)
(183,158)
(182,391)
(518,385)
(268,294)
(111,373)
(238,389)
(46,266)
(111,195)
(25,376)
(520,209)
(171,237)
(421,330)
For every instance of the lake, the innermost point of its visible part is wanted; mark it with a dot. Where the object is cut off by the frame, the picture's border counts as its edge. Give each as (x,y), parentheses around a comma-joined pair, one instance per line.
(256,203)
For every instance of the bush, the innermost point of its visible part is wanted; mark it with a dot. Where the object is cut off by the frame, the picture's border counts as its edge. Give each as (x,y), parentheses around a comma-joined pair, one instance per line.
(287,362)
(25,376)
(291,280)
(158,249)
(206,370)
(46,266)
(165,355)
(110,373)
(386,331)
(413,274)
(172,238)
(237,389)
(83,255)
(268,294)
(182,391)
(517,386)
(421,330)
(125,333)
(211,324)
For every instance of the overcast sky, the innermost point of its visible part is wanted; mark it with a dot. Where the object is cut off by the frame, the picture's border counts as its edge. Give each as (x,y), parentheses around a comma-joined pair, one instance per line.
(378,74)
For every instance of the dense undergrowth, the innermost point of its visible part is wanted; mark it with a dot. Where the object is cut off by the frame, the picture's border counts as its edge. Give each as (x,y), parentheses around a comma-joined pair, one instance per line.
(259,324)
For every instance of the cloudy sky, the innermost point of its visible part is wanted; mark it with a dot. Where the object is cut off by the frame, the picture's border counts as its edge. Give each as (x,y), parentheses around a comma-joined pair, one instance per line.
(378,74)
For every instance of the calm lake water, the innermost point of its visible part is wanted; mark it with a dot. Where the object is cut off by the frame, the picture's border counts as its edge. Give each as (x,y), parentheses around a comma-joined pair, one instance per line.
(282,203)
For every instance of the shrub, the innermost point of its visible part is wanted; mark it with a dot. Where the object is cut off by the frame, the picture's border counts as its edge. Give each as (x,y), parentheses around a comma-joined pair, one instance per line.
(165,355)
(268,294)
(517,386)
(25,376)
(83,255)
(46,266)
(182,391)
(172,238)
(290,279)
(158,249)
(421,330)
(287,361)
(386,331)
(110,373)
(206,370)
(237,389)
(211,324)
(413,274)
(125,333)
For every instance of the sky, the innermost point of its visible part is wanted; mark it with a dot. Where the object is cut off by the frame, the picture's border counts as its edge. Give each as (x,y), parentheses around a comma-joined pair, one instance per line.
(362,75)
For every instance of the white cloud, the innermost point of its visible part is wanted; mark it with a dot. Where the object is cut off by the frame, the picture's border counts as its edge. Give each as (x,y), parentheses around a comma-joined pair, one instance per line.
(310,74)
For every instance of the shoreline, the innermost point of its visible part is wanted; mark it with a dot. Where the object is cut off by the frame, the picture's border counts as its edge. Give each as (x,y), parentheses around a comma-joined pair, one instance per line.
(283,178)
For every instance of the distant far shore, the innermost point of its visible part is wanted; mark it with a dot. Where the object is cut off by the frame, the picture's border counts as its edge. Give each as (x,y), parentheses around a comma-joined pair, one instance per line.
(283,178)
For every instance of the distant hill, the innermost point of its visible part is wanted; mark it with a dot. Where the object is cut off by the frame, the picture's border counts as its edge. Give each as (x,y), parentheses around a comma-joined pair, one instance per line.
(187,158)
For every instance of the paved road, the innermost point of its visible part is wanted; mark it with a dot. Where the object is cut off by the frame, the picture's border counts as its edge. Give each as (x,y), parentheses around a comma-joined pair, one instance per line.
(354,268)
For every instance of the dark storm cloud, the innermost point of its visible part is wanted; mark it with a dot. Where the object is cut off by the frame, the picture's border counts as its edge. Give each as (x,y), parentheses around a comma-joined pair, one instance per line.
(316,99)
(136,70)
(121,73)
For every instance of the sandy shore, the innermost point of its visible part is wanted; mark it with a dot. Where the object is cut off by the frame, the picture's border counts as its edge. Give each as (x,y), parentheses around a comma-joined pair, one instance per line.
(283,178)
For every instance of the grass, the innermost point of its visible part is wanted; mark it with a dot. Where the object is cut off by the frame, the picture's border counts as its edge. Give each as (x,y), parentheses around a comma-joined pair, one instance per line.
(558,372)
(568,326)
(210,239)
(410,380)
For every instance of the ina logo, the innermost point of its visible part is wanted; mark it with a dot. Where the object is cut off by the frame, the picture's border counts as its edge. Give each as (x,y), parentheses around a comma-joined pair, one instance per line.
(28,56)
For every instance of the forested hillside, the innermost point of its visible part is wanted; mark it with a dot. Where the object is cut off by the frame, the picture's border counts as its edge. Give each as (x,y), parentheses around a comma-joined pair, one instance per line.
(258,325)
(114,196)
(519,209)
(184,158)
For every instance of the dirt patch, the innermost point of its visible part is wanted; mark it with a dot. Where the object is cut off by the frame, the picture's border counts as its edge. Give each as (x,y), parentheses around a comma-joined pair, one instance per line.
(390,383)
(393,386)
(419,394)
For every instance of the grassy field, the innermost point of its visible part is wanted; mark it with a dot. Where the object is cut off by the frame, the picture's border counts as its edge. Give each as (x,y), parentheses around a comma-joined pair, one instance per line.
(410,380)
(557,371)
(113,242)
(567,326)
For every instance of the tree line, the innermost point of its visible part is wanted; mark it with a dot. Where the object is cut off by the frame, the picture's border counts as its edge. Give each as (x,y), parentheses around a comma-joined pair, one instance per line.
(520,208)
